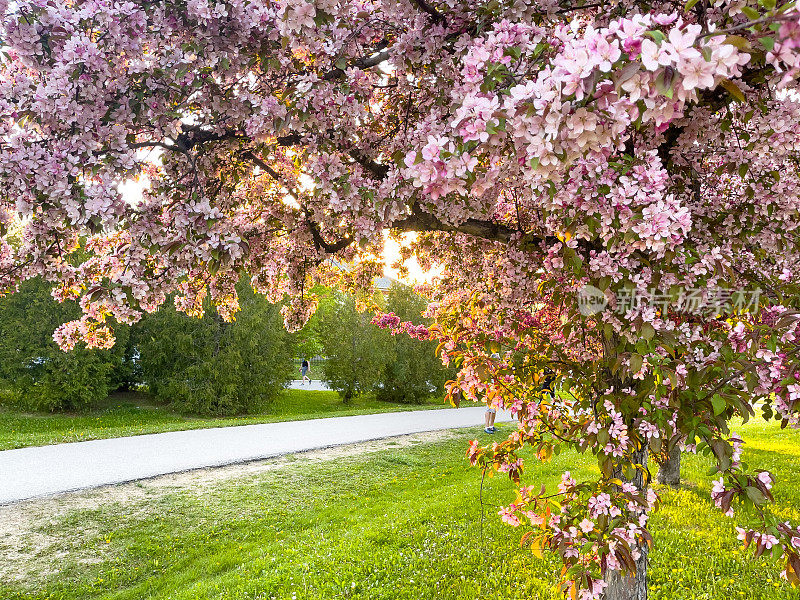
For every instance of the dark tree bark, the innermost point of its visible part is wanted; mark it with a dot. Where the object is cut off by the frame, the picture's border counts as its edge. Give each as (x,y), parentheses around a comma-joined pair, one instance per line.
(669,473)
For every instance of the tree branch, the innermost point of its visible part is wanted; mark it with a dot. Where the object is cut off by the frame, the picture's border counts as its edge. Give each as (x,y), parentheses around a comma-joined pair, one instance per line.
(715,99)
(195,135)
(316,235)
(366,62)
(428,9)
(319,241)
(422,221)
(271,172)
(378,170)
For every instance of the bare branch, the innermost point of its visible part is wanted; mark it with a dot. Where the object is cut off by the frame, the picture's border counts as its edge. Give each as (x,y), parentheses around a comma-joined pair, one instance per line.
(378,170)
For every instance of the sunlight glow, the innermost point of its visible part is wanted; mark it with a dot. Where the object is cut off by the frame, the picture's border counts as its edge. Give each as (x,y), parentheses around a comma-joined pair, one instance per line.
(416,274)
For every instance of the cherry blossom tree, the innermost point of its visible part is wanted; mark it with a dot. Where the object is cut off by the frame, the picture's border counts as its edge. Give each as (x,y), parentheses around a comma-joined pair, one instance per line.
(612,189)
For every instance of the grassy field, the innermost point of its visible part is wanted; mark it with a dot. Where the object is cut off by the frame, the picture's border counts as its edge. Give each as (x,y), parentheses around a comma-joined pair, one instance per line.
(134,414)
(402,524)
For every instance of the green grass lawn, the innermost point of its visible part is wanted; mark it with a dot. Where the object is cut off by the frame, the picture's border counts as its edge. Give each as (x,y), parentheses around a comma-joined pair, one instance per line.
(133,414)
(402,523)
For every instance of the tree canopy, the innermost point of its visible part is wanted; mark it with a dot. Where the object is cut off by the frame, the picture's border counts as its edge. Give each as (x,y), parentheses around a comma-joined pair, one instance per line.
(612,189)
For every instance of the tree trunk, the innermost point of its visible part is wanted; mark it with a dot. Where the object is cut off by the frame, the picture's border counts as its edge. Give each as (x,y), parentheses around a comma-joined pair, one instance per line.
(619,586)
(627,587)
(669,473)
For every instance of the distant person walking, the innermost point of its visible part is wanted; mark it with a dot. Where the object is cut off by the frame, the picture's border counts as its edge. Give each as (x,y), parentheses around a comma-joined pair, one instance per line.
(305,368)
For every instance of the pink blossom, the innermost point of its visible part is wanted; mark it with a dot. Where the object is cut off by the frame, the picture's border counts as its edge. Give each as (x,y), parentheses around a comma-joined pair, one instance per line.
(587,526)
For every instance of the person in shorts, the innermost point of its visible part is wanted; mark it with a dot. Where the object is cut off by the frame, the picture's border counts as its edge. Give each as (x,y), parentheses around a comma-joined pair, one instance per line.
(491,412)
(489,417)
(305,368)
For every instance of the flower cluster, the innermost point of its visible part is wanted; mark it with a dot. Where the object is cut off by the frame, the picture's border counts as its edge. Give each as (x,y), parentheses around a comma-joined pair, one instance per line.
(392,322)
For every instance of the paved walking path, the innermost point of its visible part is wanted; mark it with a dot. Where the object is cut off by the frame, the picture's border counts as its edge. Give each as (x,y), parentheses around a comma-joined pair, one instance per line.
(46,470)
(315,386)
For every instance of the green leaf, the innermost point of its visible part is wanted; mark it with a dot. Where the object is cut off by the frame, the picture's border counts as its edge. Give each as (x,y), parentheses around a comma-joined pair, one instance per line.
(689,5)
(718,404)
(755,495)
(648,331)
(750,12)
(743,168)
(768,42)
(572,259)
(664,83)
(740,42)
(733,89)
(636,362)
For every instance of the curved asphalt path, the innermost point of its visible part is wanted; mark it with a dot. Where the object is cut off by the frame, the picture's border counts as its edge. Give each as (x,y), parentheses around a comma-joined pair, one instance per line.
(47,470)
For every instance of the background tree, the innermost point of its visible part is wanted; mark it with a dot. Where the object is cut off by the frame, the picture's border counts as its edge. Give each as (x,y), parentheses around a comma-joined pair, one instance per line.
(210,366)
(413,371)
(37,373)
(308,342)
(356,351)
